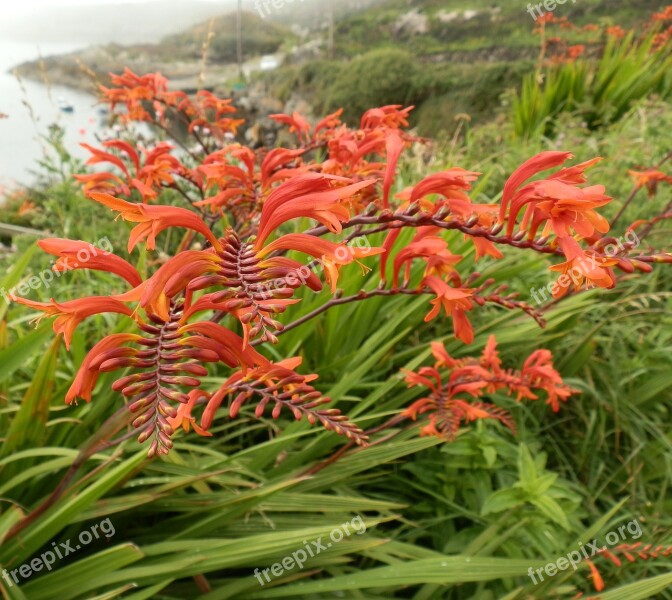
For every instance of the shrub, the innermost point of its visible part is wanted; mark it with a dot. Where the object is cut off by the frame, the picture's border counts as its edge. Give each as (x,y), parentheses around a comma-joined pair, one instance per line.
(379,77)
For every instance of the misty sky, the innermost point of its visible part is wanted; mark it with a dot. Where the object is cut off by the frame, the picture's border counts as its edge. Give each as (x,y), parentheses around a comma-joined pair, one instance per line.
(26,7)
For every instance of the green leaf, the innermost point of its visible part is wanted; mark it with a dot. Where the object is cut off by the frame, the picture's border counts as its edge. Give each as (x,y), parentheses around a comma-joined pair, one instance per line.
(19,353)
(446,570)
(74,579)
(28,426)
(552,510)
(12,278)
(502,500)
(527,471)
(640,590)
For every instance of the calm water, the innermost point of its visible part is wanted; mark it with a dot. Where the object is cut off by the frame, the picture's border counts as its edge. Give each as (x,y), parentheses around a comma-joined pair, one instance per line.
(20,145)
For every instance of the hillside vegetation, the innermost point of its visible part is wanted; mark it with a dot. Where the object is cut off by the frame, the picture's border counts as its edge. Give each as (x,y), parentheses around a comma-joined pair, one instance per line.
(450,59)
(261,36)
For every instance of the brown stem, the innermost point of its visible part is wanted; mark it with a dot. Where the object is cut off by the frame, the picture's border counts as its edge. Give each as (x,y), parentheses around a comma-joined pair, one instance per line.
(344,449)
(95,444)
(623,208)
(174,138)
(647,230)
(387,221)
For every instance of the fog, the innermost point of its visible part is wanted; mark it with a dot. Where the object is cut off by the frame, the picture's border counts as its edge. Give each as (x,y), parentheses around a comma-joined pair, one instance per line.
(104,21)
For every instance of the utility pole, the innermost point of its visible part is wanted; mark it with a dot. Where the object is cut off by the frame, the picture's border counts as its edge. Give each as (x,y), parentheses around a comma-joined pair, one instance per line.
(239,34)
(330,16)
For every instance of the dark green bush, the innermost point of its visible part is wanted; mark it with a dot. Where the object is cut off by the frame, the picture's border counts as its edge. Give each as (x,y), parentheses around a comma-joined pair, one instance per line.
(379,77)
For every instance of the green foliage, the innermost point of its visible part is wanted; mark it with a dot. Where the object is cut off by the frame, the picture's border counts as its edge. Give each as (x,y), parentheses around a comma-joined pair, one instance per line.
(601,91)
(457,90)
(385,76)
(262,36)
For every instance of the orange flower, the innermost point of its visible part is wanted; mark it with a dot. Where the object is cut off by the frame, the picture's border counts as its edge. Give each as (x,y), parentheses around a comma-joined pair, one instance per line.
(433,249)
(539,373)
(451,184)
(329,122)
(133,91)
(446,411)
(565,207)
(100,156)
(394,146)
(72,313)
(233,350)
(308,195)
(184,419)
(329,254)
(85,380)
(557,200)
(103,181)
(476,377)
(532,166)
(152,220)
(455,302)
(297,124)
(392,115)
(573,52)
(650,178)
(173,277)
(87,256)
(581,267)
(615,32)
(598,582)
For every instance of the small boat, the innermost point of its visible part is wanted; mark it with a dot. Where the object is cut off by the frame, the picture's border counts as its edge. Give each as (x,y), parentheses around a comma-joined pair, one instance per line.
(64,105)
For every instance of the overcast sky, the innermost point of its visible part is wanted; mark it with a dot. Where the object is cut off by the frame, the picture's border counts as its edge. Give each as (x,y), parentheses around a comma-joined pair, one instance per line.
(25,7)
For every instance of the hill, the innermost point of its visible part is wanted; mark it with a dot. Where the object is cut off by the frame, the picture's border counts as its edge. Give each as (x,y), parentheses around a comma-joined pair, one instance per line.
(451,58)
(178,56)
(260,36)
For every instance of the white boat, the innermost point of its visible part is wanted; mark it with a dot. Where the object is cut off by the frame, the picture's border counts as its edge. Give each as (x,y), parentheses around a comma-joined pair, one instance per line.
(64,105)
